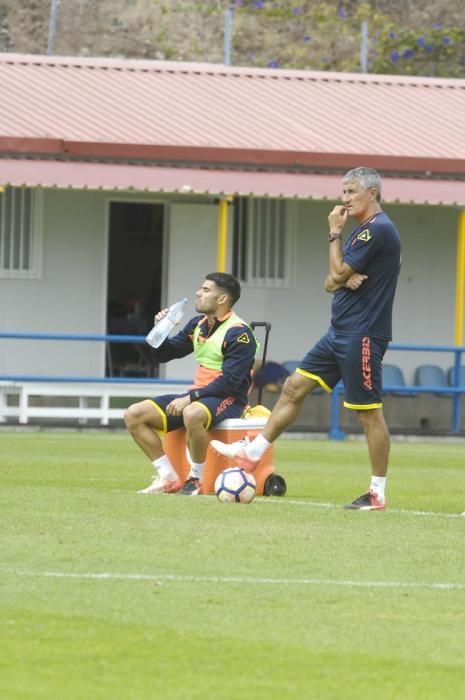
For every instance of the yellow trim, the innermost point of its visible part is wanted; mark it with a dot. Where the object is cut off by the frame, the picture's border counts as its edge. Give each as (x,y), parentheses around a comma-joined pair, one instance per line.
(460,280)
(163,418)
(362,407)
(222,233)
(208,412)
(317,379)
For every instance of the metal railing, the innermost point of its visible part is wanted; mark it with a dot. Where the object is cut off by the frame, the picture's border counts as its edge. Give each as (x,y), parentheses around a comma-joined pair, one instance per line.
(134,339)
(455,391)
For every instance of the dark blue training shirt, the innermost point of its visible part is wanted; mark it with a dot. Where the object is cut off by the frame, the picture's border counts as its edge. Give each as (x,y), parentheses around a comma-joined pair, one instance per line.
(373,249)
(239,348)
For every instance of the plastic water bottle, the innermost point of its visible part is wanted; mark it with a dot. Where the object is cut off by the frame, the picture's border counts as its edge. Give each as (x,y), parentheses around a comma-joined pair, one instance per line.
(162,328)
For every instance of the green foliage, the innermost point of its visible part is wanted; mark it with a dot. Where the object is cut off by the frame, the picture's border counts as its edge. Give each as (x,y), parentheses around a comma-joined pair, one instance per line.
(311,34)
(430,51)
(314,35)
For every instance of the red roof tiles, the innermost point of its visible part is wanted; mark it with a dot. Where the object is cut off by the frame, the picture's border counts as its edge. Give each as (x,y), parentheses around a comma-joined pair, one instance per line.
(260,131)
(177,112)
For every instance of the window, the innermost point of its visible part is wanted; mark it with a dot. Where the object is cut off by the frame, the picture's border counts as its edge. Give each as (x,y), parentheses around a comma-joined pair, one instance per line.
(263,237)
(20,232)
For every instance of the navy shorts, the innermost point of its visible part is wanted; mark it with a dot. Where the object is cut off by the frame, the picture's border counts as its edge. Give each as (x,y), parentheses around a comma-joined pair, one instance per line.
(356,359)
(216,409)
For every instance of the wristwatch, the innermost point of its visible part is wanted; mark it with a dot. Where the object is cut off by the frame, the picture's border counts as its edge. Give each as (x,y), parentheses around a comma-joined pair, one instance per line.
(334,237)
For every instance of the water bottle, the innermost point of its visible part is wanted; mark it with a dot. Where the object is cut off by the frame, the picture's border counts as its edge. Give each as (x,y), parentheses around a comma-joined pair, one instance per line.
(162,328)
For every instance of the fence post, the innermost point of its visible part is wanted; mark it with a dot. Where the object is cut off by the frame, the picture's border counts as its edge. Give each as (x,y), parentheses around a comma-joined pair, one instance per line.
(335,433)
(228,21)
(457,398)
(364,48)
(52,27)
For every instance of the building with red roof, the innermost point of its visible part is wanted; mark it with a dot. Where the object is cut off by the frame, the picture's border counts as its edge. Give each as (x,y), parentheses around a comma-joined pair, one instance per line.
(125,181)
(241,121)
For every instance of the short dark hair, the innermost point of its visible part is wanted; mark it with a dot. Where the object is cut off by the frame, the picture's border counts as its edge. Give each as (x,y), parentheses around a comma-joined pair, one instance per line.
(228,283)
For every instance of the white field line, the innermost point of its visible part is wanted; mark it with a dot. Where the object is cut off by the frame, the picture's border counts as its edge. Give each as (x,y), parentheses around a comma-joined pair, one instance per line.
(263,500)
(250,580)
(315,504)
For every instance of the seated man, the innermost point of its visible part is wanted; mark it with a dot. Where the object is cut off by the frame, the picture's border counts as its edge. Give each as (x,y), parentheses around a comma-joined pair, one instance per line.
(225,349)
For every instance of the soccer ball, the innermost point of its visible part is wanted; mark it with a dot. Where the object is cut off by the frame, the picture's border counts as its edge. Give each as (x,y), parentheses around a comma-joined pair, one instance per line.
(234,485)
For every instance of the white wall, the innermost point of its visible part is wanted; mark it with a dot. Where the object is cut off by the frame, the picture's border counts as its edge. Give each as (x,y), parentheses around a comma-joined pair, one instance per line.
(424,308)
(192,251)
(299,315)
(70,297)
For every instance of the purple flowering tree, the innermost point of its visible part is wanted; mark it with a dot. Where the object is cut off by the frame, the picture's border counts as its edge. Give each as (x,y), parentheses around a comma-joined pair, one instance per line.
(425,38)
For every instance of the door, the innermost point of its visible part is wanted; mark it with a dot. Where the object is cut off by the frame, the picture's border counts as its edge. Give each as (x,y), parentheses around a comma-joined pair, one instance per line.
(135,262)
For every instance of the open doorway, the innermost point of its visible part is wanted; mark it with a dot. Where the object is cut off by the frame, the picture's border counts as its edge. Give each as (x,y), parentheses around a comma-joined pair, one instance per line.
(135,257)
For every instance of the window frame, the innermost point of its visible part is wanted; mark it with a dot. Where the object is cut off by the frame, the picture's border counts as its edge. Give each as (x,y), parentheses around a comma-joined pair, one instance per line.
(250,236)
(34,271)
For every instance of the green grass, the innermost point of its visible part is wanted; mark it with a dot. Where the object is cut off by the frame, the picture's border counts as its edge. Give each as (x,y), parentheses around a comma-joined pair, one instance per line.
(109,594)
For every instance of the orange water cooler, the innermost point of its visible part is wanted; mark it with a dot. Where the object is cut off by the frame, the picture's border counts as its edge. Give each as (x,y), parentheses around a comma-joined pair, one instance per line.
(229,430)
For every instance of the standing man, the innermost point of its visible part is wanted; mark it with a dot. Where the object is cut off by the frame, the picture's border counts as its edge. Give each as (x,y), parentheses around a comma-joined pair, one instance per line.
(225,348)
(362,277)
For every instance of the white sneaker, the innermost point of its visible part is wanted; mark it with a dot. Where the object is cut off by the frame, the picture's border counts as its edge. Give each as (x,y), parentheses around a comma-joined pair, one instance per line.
(236,451)
(162,485)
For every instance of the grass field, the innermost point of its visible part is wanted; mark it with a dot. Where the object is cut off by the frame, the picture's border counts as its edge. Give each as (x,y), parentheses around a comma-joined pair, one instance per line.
(109,594)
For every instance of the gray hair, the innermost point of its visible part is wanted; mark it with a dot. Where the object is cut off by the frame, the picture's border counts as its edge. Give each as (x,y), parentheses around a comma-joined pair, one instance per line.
(367,177)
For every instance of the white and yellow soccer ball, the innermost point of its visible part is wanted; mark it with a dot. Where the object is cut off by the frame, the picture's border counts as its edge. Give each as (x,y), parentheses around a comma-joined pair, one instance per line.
(234,485)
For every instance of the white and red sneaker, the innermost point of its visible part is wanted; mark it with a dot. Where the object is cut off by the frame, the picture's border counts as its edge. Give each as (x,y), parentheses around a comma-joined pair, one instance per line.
(369,501)
(236,451)
(162,485)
